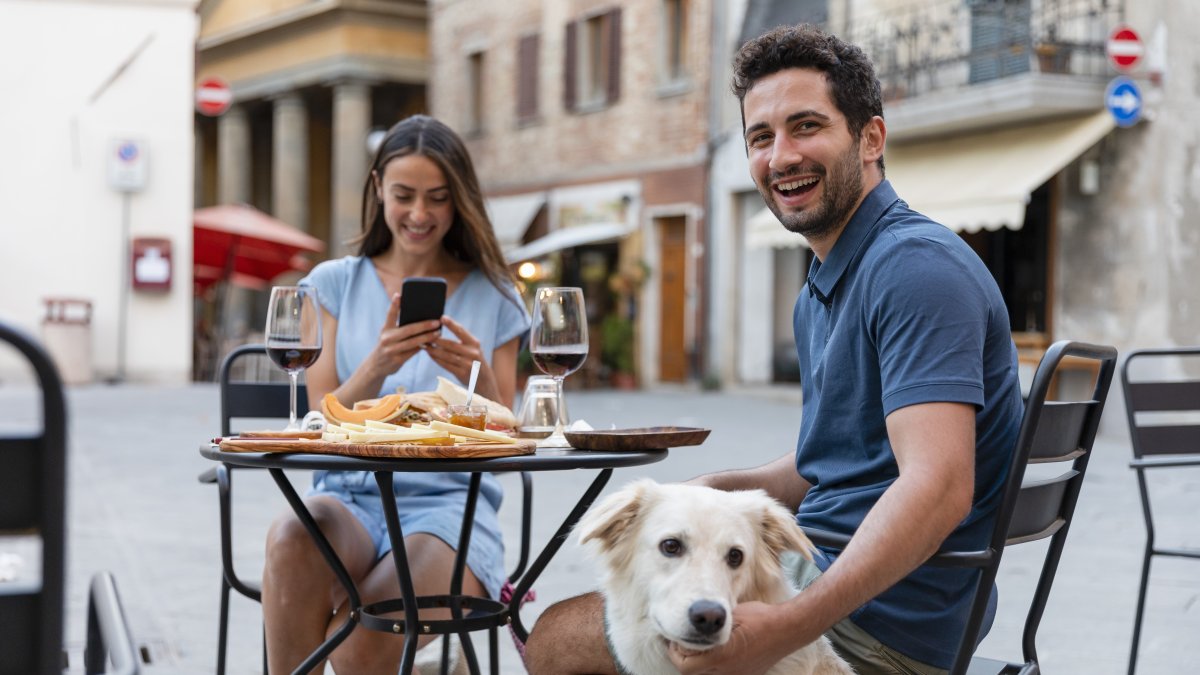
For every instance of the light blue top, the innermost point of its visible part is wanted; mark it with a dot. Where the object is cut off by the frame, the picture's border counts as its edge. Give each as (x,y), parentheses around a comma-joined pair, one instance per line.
(352,292)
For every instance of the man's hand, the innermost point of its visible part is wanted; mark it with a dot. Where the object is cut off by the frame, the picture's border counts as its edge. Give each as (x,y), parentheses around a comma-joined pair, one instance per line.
(754,645)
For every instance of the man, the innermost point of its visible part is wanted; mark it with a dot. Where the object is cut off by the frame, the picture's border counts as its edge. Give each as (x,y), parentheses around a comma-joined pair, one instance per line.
(911,398)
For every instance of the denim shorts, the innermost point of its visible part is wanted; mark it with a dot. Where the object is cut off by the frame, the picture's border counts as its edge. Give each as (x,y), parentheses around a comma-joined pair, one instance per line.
(438,513)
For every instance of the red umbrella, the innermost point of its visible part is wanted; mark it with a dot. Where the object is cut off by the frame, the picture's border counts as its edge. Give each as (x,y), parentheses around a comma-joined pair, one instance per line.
(245,246)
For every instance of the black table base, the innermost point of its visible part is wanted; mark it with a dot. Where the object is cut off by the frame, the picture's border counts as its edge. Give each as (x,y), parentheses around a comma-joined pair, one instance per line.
(468,613)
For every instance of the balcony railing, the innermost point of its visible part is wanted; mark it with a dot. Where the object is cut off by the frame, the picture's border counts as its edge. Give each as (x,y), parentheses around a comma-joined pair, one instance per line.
(957,43)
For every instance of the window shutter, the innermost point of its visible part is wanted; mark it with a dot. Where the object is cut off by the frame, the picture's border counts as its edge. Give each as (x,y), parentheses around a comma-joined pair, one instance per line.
(527,78)
(569,66)
(614,56)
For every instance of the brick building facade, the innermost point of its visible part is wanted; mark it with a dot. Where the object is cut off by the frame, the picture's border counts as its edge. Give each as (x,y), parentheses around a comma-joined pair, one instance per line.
(588,122)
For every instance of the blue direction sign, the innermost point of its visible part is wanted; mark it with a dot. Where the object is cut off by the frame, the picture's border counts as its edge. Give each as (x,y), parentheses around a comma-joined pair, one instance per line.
(1124,100)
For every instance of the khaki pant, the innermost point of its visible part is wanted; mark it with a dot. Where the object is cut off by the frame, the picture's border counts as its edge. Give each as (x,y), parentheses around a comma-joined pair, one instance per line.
(864,653)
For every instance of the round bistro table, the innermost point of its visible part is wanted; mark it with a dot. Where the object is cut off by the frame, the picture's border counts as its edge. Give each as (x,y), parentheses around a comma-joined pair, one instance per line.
(468,613)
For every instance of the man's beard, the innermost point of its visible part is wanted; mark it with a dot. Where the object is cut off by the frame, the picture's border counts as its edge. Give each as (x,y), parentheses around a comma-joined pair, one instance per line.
(841,190)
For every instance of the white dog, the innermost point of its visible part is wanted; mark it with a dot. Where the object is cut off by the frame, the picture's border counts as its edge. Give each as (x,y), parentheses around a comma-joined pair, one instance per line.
(678,558)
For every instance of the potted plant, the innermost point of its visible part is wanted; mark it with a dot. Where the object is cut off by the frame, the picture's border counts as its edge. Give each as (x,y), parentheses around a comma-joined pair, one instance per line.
(616,350)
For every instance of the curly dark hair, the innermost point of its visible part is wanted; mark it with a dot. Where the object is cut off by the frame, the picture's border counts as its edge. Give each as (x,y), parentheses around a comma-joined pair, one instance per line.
(852,82)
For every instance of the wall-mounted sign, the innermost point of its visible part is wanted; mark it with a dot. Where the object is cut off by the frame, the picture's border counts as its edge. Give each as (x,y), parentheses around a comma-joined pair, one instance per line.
(151,260)
(1124,48)
(213,97)
(1124,101)
(127,165)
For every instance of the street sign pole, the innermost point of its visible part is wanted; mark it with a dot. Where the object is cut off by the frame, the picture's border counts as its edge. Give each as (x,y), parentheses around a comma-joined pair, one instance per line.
(127,172)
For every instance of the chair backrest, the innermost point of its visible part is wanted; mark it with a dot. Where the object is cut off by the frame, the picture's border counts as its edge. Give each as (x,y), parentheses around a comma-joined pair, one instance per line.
(254,399)
(1163,392)
(1051,431)
(33,500)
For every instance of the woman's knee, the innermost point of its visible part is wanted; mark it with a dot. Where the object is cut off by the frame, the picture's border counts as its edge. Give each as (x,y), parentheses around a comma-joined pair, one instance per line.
(289,543)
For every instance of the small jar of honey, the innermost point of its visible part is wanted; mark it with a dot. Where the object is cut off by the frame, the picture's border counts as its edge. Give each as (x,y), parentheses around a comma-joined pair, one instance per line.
(472,417)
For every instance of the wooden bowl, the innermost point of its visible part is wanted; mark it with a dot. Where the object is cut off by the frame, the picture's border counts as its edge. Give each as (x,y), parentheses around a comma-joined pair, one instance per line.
(644,438)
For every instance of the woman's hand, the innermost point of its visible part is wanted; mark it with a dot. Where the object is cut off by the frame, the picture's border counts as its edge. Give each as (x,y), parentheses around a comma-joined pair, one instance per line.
(456,356)
(398,344)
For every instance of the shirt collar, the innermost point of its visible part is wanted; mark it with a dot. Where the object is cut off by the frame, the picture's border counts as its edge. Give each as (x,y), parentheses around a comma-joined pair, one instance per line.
(823,277)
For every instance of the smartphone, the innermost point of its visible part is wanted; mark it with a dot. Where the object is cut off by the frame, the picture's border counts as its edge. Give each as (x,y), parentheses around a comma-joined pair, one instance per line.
(422,299)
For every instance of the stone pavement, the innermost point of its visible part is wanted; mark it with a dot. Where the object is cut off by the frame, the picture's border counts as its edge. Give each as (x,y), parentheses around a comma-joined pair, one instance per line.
(137,509)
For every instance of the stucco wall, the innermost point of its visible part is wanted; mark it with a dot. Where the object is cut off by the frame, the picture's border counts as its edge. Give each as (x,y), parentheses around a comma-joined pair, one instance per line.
(67,101)
(1128,256)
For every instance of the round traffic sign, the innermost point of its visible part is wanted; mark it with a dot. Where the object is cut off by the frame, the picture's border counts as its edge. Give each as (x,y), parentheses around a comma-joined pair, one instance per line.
(213,96)
(1124,101)
(1124,48)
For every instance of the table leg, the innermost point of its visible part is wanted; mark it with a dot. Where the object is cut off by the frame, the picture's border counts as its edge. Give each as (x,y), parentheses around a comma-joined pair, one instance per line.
(460,564)
(526,581)
(409,599)
(400,560)
(318,537)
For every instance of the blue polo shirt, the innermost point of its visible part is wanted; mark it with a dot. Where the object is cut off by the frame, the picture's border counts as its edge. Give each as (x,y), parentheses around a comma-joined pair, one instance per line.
(902,312)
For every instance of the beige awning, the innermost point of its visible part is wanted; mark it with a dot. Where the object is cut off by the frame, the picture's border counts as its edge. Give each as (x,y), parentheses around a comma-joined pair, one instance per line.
(511,216)
(764,230)
(569,237)
(984,180)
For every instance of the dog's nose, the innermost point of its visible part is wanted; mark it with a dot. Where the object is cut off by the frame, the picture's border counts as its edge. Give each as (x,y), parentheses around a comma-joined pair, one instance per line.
(707,617)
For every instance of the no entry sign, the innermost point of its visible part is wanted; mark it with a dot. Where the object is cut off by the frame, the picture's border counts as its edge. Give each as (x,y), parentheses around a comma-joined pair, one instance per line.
(1124,48)
(213,97)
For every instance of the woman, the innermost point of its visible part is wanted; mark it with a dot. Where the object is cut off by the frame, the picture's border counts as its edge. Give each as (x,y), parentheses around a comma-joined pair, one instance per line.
(423,216)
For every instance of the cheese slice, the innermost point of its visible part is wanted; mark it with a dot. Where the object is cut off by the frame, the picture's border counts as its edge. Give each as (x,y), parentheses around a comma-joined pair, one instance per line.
(406,436)
(385,426)
(352,427)
(334,437)
(473,434)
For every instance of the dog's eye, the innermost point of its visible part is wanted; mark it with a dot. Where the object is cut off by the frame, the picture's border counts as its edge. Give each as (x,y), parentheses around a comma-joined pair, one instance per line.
(734,557)
(670,547)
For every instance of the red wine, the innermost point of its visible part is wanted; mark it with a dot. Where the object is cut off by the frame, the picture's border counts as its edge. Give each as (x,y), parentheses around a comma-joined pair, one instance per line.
(294,358)
(560,361)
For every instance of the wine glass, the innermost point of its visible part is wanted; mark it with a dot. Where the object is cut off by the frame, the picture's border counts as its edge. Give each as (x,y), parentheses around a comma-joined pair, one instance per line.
(559,344)
(293,334)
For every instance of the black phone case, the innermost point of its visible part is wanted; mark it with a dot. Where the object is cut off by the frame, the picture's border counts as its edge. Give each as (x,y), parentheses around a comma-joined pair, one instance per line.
(422,299)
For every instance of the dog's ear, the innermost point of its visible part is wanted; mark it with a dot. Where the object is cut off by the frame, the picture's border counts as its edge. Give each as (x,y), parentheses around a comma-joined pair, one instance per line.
(612,516)
(781,532)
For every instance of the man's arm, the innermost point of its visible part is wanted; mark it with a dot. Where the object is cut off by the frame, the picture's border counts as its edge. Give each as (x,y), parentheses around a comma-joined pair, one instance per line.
(934,444)
(779,478)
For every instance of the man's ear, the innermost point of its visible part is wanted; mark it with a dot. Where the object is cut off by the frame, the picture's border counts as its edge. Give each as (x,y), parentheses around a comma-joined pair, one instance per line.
(872,140)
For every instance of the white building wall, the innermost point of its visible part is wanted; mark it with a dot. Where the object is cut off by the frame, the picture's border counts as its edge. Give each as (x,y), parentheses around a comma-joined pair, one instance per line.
(77,77)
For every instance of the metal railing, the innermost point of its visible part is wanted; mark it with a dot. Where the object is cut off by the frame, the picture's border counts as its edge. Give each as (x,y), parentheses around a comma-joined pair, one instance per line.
(933,46)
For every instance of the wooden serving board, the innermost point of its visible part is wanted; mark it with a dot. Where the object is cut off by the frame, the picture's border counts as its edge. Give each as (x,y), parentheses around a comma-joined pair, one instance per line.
(412,450)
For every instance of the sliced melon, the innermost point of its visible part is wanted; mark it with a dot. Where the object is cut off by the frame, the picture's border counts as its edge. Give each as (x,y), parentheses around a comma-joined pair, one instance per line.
(338,413)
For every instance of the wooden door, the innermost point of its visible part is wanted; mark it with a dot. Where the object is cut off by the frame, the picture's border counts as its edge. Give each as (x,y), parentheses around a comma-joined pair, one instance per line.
(672,246)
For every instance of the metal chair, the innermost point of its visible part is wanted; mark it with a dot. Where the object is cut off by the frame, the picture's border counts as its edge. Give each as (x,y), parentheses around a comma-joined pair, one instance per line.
(1160,443)
(1051,431)
(33,476)
(241,399)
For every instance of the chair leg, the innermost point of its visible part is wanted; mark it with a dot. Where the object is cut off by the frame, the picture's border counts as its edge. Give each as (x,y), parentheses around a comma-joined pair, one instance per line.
(223,626)
(1141,606)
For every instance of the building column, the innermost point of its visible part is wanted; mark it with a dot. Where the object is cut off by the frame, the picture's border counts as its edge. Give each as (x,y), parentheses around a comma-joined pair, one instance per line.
(233,157)
(351,124)
(289,161)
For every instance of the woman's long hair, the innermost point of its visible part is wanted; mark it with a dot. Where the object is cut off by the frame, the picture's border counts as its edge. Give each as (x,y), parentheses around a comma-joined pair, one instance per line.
(471,237)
